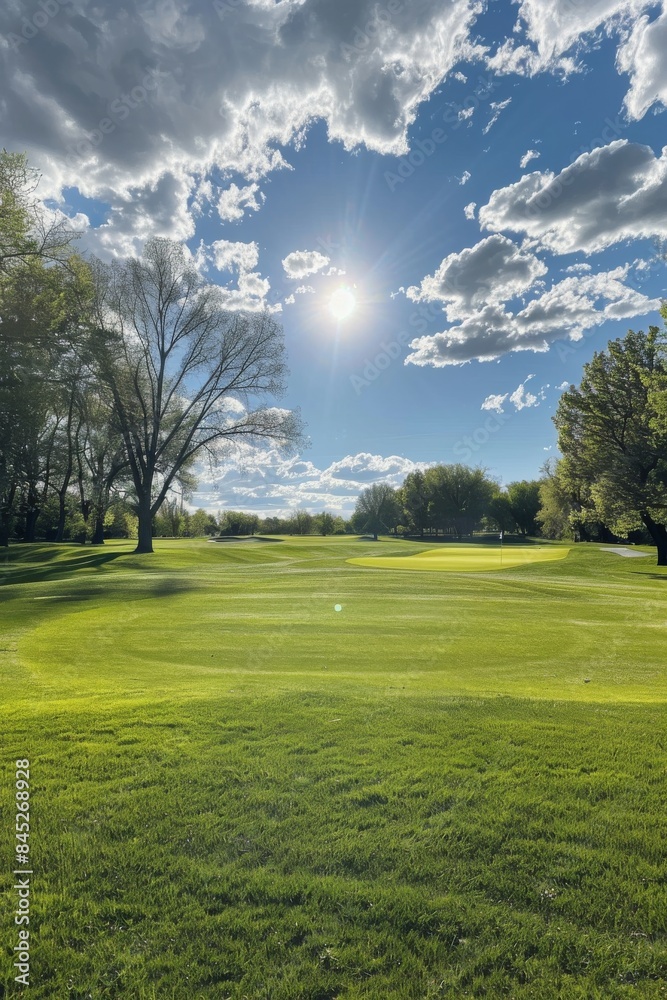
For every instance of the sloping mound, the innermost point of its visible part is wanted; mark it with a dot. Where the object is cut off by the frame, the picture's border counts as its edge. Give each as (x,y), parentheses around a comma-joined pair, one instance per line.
(466,558)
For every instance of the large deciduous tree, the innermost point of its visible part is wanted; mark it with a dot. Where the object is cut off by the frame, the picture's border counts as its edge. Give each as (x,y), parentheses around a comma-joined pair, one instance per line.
(377,509)
(459,497)
(184,375)
(613,440)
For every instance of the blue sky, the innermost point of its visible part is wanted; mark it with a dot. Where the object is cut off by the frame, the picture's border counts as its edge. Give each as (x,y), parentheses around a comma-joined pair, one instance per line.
(486,179)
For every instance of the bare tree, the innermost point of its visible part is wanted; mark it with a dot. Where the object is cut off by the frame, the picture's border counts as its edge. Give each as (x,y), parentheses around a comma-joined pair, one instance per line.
(184,375)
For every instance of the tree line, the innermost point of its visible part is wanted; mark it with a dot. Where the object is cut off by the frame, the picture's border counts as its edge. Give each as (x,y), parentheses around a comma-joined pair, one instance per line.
(116,377)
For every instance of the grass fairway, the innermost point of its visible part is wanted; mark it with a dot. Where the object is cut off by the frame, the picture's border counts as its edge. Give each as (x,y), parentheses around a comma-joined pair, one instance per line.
(466,558)
(452,787)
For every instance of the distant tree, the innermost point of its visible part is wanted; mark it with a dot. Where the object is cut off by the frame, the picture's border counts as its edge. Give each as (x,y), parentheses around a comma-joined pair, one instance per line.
(339,526)
(377,509)
(238,522)
(301,522)
(613,440)
(500,512)
(555,515)
(323,523)
(414,497)
(524,501)
(172,359)
(459,497)
(202,523)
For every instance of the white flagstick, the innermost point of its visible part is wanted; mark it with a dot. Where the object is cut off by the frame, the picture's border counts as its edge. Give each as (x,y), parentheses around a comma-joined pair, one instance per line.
(501,548)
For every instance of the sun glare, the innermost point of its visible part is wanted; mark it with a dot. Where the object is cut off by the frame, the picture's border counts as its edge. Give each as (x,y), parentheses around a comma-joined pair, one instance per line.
(342,303)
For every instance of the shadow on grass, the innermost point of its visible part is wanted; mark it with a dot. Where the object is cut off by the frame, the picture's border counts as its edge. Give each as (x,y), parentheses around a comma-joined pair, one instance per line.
(27,572)
(244,538)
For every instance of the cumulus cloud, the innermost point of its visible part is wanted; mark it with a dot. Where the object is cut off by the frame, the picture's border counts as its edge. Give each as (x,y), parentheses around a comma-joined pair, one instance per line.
(261,480)
(493,271)
(523,399)
(547,29)
(469,210)
(251,289)
(643,57)
(614,193)
(113,99)
(234,202)
(301,263)
(567,310)
(465,177)
(495,403)
(531,154)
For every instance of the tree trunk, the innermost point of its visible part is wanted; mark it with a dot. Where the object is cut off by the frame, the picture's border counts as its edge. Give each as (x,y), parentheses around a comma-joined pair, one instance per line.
(658,533)
(98,533)
(31,525)
(145,541)
(60,530)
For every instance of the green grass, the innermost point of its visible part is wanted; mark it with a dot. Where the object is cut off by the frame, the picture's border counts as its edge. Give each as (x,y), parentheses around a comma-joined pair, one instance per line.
(466,558)
(453,787)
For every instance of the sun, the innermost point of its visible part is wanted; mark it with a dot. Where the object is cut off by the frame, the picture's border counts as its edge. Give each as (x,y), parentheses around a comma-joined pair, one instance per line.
(342,303)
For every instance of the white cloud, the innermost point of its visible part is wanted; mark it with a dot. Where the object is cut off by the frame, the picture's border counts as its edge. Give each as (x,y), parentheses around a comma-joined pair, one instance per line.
(614,193)
(495,403)
(469,210)
(563,386)
(567,310)
(304,290)
(523,399)
(301,263)
(261,480)
(531,154)
(251,290)
(229,256)
(548,29)
(234,202)
(497,107)
(643,57)
(582,268)
(188,91)
(493,271)
(465,178)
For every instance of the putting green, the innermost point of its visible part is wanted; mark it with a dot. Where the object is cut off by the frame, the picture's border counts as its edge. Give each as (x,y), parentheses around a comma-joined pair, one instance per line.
(466,558)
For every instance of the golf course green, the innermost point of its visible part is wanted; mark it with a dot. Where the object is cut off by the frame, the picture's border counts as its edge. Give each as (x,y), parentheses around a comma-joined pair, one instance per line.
(268,772)
(452,558)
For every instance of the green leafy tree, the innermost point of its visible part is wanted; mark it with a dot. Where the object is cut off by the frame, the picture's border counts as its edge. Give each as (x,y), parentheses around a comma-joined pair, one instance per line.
(414,497)
(323,523)
(459,497)
(524,501)
(613,440)
(500,512)
(377,509)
